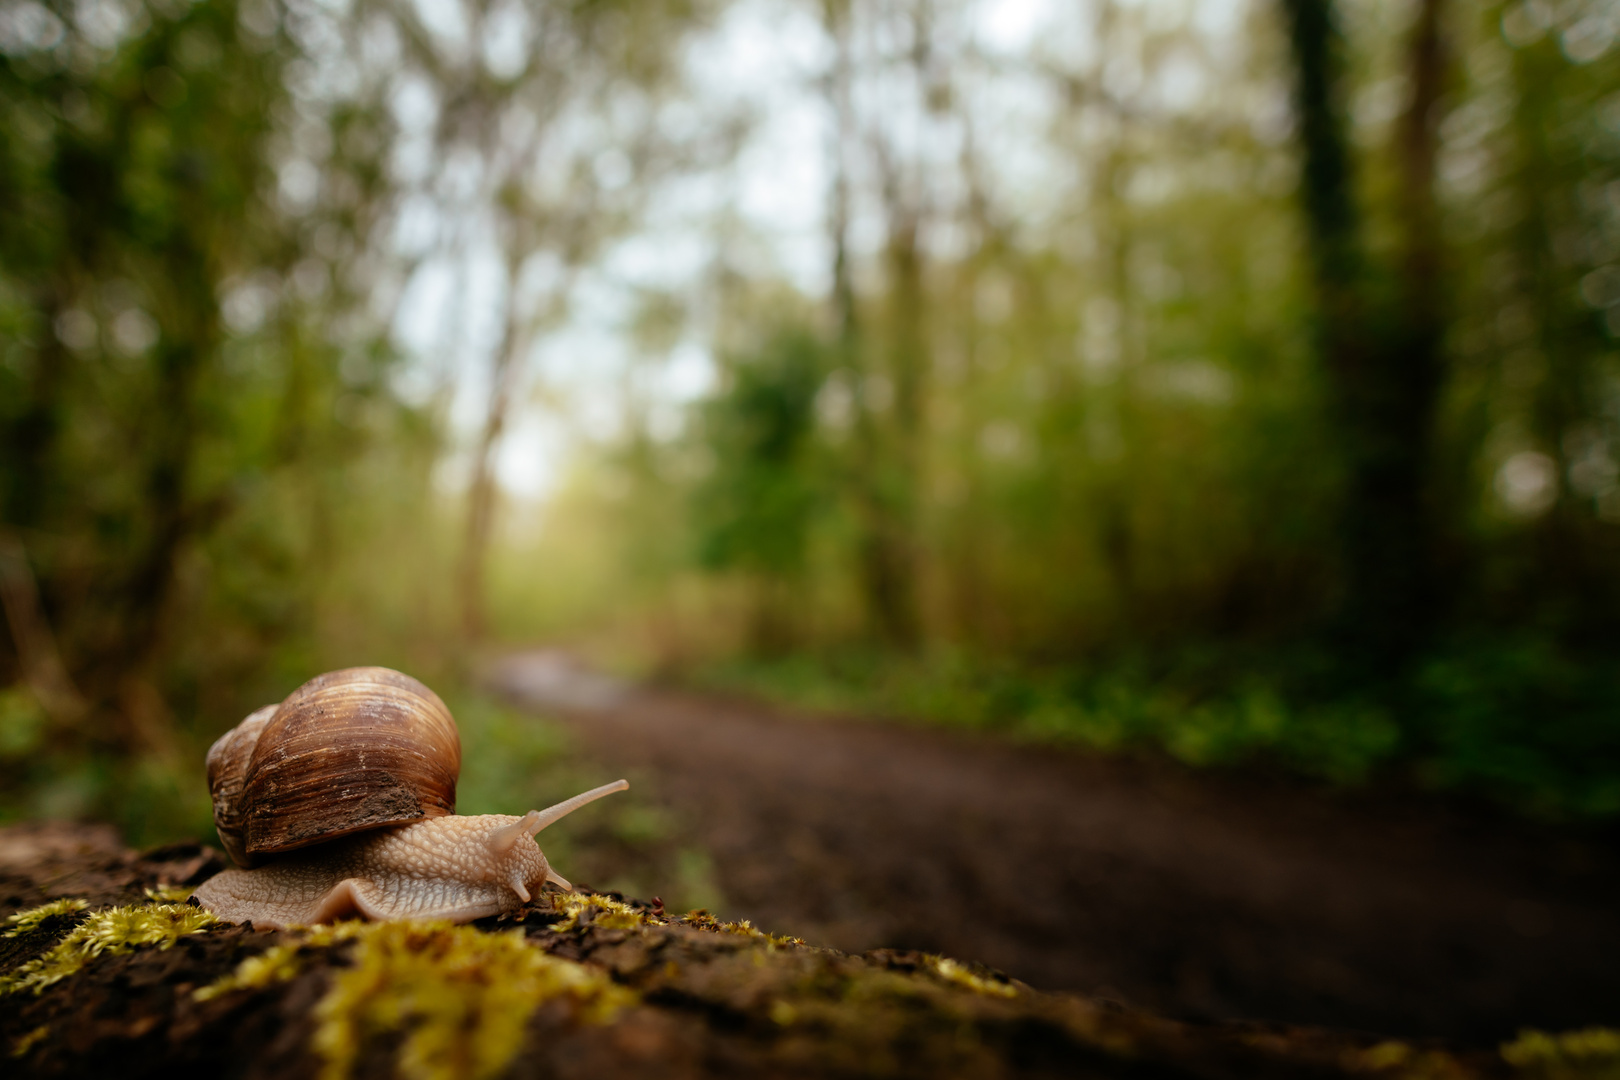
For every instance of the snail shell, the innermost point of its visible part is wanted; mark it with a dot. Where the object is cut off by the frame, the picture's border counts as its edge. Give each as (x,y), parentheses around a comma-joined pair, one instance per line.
(349,750)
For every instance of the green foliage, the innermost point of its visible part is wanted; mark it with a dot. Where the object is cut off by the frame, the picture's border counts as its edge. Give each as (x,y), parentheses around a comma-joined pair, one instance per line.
(1526,720)
(1044,440)
(1118,471)
(1116,706)
(183,439)
(23,723)
(755,508)
(1524,724)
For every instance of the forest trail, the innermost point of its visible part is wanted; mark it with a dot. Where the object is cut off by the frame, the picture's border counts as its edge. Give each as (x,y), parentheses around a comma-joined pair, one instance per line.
(1201,895)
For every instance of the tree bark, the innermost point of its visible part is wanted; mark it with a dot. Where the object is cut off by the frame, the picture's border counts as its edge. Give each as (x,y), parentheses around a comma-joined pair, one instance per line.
(1383,369)
(692,997)
(482,491)
(886,562)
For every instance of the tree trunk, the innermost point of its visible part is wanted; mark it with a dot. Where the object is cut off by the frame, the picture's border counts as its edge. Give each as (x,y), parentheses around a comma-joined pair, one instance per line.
(885,561)
(1383,371)
(174,512)
(483,491)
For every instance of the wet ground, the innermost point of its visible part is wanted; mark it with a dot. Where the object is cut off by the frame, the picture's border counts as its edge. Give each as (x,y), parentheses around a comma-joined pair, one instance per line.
(1201,895)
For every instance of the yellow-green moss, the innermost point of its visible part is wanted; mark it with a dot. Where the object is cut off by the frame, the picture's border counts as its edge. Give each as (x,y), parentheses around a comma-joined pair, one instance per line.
(113,930)
(614,914)
(957,973)
(24,922)
(28,1041)
(461,996)
(1589,1054)
(611,914)
(170,894)
(280,963)
(1390,1054)
(702,920)
(1394,1058)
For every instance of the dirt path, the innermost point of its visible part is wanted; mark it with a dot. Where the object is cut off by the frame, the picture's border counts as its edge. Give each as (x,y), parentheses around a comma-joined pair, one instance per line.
(1199,895)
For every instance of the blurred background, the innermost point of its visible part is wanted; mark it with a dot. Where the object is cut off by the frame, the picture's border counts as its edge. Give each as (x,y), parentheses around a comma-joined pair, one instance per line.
(1233,383)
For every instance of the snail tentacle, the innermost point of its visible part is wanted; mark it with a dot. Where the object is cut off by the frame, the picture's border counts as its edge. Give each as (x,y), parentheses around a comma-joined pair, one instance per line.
(552,814)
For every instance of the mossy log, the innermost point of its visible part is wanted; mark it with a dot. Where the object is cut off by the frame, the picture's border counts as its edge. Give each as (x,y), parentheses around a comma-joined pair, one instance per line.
(126,979)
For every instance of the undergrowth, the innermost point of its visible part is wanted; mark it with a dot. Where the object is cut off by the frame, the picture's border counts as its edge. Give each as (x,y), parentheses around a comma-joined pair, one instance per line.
(1515,721)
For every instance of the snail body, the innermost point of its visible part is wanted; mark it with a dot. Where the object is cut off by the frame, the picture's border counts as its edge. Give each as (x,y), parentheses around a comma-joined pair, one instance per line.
(341,800)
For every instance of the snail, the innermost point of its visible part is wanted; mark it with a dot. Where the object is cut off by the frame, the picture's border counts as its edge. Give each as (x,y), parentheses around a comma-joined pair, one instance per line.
(341,801)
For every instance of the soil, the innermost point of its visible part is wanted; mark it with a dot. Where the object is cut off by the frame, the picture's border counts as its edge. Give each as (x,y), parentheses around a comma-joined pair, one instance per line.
(1199,895)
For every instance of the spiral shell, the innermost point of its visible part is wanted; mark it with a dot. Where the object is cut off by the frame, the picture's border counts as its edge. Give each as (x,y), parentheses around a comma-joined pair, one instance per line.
(350,750)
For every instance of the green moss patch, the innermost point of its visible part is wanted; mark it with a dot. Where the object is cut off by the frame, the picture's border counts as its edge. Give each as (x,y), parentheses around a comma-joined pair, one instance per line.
(605,911)
(281,963)
(460,997)
(702,920)
(170,894)
(954,971)
(26,922)
(29,1040)
(112,930)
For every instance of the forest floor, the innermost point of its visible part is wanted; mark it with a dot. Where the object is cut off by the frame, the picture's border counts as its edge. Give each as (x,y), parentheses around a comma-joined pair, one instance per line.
(1198,895)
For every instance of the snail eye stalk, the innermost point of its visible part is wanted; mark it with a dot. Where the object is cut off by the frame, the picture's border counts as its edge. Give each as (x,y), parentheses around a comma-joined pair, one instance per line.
(552,814)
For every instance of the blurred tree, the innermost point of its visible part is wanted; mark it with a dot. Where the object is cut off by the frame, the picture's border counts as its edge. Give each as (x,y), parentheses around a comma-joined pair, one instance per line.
(1098,390)
(193,377)
(558,118)
(885,380)
(1559,264)
(141,173)
(758,502)
(1087,390)
(1385,371)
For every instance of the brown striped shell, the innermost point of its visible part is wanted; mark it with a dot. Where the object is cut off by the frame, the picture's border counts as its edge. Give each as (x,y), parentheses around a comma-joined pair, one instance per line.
(356,749)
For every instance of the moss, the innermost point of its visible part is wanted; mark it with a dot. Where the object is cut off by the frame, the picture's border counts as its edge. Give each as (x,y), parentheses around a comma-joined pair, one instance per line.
(277,964)
(702,920)
(953,971)
(26,922)
(1390,1054)
(610,914)
(28,1041)
(170,894)
(281,963)
(1589,1054)
(461,997)
(1398,1059)
(112,930)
